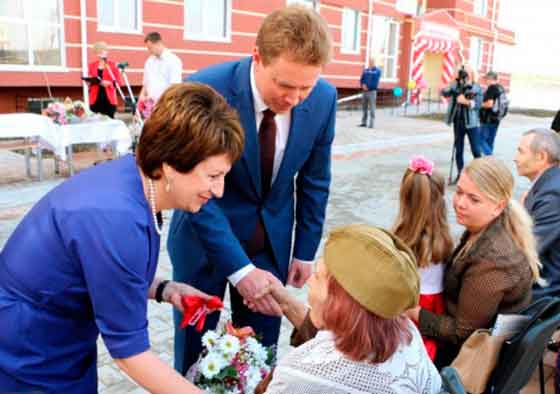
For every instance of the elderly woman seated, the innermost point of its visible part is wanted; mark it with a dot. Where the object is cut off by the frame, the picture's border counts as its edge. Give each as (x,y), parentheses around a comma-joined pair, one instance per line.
(495,264)
(365,344)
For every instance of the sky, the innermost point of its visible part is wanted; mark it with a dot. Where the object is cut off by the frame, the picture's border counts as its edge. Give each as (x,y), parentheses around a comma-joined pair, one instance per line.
(537,25)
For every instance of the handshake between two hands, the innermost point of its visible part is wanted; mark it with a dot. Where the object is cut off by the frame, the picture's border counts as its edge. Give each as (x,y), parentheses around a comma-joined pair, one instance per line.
(263,292)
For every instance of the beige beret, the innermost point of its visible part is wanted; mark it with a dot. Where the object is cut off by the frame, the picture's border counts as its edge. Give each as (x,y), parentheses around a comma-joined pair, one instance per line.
(375,267)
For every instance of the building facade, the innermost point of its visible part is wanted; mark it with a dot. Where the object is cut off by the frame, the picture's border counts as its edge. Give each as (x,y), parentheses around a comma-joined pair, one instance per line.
(45,45)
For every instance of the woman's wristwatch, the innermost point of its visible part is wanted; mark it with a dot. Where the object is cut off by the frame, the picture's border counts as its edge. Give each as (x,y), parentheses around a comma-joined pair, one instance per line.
(159,290)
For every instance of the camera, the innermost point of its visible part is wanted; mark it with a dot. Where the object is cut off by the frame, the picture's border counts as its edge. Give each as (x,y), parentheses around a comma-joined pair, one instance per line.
(463,87)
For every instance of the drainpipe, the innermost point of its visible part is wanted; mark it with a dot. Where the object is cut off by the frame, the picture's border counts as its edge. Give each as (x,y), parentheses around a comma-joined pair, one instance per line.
(83,29)
(369,32)
(494,34)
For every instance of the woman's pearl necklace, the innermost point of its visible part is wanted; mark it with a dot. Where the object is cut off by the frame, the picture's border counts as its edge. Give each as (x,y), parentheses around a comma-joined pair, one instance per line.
(152,198)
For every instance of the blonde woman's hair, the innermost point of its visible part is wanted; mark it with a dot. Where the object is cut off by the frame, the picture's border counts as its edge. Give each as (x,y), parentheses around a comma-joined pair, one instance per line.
(100,46)
(494,180)
(422,219)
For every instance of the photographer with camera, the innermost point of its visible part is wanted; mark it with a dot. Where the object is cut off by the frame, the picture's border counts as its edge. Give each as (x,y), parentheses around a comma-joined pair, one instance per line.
(463,113)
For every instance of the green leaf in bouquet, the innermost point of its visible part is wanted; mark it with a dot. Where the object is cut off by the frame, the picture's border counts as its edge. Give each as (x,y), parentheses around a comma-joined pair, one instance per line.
(227,372)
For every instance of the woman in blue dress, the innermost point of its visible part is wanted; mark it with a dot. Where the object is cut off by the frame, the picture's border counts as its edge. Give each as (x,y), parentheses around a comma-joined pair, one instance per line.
(82,262)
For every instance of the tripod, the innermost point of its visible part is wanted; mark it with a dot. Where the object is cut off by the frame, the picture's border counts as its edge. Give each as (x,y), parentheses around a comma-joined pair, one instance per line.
(137,122)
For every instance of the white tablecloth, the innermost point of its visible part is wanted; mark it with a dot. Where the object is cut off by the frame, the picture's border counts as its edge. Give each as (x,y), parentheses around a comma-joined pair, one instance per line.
(58,138)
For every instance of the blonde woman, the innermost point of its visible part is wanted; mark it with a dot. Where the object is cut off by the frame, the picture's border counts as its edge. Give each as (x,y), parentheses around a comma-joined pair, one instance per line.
(104,78)
(492,269)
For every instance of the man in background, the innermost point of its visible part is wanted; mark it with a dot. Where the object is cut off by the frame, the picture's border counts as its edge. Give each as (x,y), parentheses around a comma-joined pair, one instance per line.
(369,82)
(537,158)
(490,115)
(162,68)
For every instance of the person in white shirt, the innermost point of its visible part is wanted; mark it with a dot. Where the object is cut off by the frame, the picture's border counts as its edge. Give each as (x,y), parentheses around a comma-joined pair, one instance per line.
(162,68)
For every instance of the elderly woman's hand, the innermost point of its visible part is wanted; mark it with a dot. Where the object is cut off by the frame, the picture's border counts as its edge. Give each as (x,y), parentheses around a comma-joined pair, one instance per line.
(277,291)
(174,291)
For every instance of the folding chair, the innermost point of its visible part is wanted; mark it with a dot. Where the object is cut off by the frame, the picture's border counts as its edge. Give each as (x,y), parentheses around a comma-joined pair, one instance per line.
(520,355)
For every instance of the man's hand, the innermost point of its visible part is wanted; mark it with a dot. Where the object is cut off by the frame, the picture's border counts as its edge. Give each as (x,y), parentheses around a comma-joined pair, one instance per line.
(299,273)
(106,83)
(461,99)
(254,283)
(174,291)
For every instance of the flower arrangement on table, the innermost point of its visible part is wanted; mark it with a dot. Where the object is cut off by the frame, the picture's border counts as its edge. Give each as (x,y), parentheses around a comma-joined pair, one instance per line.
(232,362)
(66,112)
(145,107)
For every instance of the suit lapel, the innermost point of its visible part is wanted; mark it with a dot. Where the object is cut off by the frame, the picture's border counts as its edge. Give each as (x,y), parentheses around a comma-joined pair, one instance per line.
(243,102)
(298,137)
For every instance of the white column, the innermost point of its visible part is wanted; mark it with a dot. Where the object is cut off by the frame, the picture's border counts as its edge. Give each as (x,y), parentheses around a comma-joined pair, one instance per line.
(369,30)
(83,29)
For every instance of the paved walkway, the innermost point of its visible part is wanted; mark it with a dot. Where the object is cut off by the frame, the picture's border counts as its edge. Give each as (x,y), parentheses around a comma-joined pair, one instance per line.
(367,168)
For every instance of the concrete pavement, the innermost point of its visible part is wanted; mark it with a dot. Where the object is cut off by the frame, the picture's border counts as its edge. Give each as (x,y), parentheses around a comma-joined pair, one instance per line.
(367,168)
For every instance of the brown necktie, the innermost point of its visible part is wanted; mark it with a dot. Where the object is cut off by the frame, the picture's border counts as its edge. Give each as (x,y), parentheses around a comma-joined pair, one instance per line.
(267,146)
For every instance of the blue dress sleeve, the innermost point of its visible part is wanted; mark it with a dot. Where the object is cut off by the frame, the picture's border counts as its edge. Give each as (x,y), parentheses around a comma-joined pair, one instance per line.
(114,253)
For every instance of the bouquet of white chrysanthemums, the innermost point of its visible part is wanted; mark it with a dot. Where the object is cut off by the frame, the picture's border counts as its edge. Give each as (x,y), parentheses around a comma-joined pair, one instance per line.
(232,362)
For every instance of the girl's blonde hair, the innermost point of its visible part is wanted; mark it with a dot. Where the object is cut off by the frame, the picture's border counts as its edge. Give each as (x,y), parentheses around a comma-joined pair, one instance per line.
(422,219)
(494,180)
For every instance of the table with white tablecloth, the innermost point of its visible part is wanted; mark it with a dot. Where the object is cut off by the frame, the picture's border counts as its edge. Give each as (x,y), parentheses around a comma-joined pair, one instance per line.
(60,138)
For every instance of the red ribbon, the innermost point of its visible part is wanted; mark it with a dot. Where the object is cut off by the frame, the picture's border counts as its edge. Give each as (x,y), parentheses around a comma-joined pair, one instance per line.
(196,309)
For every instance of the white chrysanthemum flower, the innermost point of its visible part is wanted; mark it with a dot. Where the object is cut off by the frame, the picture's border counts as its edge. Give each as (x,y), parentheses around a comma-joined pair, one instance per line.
(211,365)
(253,378)
(210,339)
(258,351)
(229,344)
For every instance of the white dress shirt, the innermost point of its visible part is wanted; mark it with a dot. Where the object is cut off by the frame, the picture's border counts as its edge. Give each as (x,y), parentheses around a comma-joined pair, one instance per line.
(160,72)
(283,122)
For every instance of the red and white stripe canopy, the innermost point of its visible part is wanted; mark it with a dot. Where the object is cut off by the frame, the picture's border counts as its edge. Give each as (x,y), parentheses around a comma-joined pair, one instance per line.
(423,44)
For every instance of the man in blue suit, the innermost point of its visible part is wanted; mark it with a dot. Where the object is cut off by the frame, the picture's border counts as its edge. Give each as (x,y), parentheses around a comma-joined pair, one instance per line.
(268,225)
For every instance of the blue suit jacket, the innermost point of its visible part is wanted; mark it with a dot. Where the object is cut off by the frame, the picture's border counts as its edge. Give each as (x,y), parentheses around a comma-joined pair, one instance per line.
(543,204)
(219,230)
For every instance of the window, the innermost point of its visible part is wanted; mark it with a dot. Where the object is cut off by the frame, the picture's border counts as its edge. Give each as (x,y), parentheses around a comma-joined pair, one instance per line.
(123,16)
(385,45)
(475,55)
(351,29)
(31,33)
(313,4)
(208,20)
(480,7)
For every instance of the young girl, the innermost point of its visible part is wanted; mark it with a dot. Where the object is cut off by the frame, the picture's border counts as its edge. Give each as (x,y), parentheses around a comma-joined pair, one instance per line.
(422,225)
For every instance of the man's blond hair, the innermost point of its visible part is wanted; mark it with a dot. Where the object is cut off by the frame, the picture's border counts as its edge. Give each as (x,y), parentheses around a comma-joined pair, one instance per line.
(295,31)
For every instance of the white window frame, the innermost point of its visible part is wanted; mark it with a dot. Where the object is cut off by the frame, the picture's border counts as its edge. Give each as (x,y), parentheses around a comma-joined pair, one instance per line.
(386,58)
(118,29)
(480,7)
(315,5)
(357,31)
(27,21)
(204,36)
(476,52)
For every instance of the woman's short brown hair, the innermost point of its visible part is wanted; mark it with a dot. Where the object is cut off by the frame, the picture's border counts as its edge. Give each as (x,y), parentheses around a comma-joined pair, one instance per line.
(359,334)
(298,32)
(189,123)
